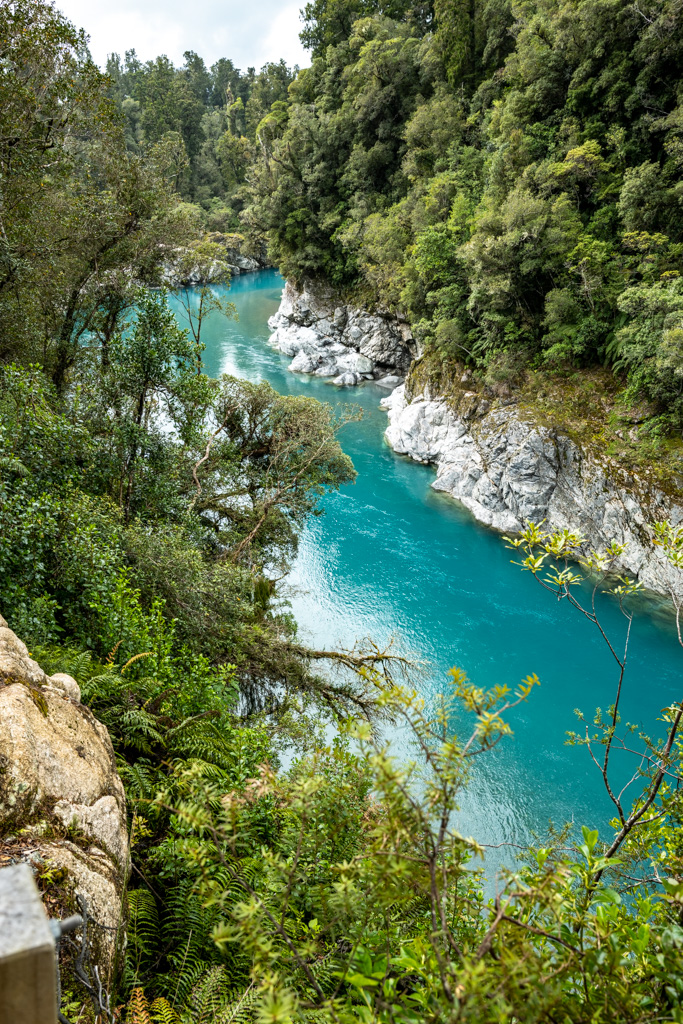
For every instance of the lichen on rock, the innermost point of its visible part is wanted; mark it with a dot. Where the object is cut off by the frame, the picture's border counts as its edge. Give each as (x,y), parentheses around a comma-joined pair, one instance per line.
(62,803)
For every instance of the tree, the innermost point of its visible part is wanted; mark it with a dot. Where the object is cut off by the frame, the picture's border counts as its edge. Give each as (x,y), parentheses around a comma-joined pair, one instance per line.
(457,39)
(551,558)
(364,904)
(81,215)
(329,22)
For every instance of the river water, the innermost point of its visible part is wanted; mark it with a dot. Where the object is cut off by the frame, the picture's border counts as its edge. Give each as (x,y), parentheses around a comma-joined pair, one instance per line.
(392,558)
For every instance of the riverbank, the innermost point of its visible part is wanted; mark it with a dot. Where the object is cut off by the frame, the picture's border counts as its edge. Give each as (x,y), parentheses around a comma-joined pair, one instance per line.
(331,339)
(508,455)
(393,558)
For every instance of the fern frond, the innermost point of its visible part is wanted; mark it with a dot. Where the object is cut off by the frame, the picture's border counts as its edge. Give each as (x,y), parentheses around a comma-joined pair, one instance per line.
(112,653)
(143,929)
(138,1008)
(72,662)
(163,1013)
(214,1001)
(136,657)
(12,465)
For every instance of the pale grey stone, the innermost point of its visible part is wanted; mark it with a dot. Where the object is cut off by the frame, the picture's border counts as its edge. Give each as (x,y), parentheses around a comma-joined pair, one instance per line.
(59,768)
(340,317)
(327,368)
(100,821)
(303,363)
(313,321)
(508,471)
(356,363)
(67,684)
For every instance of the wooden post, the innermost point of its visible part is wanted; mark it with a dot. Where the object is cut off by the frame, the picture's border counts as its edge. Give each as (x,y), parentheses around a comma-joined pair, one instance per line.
(28,990)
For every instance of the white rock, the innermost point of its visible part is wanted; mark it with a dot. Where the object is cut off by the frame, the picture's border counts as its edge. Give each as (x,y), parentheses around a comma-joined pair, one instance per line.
(293,339)
(303,363)
(312,321)
(67,684)
(347,379)
(327,368)
(357,363)
(508,471)
(99,821)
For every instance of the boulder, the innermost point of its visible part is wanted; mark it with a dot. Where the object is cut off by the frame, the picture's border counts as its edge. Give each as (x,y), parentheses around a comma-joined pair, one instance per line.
(326,368)
(311,318)
(303,363)
(347,379)
(356,363)
(62,803)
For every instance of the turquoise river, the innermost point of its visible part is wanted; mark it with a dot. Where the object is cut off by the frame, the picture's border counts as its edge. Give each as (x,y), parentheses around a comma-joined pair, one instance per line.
(392,558)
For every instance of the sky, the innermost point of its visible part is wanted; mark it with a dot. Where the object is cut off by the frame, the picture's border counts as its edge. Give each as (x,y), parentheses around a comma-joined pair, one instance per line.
(249,32)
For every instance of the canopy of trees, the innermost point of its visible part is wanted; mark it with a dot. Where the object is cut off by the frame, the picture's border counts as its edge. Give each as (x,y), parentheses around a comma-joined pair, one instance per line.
(200,122)
(507,173)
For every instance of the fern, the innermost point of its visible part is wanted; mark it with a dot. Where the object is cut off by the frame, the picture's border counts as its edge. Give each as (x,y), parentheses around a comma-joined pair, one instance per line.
(213,1001)
(163,1013)
(142,780)
(186,929)
(9,464)
(137,1011)
(78,664)
(141,1011)
(143,931)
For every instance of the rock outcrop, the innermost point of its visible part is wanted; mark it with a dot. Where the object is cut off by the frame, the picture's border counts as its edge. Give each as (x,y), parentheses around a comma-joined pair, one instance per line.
(241,258)
(238,260)
(62,803)
(508,471)
(332,340)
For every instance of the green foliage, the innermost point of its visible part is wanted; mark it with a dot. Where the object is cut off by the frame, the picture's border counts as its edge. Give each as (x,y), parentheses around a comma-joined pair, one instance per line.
(494,171)
(198,123)
(508,175)
(363,904)
(340,889)
(329,22)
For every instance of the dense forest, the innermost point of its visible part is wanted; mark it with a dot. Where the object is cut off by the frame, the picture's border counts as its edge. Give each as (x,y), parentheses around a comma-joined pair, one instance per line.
(204,121)
(506,174)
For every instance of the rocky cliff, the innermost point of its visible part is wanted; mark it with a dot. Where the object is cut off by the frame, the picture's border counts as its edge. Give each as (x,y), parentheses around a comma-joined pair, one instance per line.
(508,471)
(240,258)
(329,339)
(62,803)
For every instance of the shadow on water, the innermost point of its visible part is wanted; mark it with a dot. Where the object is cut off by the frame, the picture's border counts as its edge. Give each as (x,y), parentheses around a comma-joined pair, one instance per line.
(392,557)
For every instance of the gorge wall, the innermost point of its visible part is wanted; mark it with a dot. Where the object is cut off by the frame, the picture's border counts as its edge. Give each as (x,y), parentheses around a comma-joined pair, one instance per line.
(62,803)
(239,259)
(327,338)
(489,455)
(508,471)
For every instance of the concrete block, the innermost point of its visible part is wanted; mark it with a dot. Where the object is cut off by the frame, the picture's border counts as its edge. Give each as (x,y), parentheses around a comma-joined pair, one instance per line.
(27,951)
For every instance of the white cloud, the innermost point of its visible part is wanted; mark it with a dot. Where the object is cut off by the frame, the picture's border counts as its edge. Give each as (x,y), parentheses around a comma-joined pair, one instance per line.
(248,33)
(283,39)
